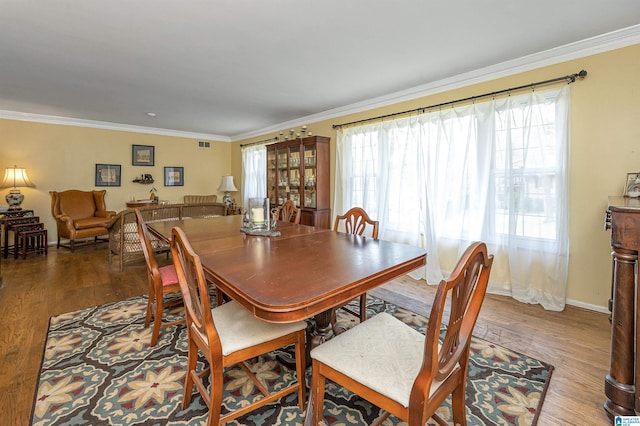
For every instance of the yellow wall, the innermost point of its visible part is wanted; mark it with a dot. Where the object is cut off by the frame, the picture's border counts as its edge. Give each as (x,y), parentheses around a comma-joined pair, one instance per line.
(61,157)
(605,145)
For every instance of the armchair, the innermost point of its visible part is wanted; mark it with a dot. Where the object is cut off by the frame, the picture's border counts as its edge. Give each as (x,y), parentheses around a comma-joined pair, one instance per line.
(79,215)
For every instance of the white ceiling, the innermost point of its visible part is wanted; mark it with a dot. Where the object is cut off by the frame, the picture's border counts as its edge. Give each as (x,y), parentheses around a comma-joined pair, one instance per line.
(233,68)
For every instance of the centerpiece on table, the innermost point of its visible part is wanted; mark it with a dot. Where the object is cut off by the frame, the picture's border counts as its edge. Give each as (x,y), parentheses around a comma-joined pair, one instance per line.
(258,219)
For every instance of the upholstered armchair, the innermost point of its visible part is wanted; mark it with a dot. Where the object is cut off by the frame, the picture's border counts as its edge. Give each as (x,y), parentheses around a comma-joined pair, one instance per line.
(80,215)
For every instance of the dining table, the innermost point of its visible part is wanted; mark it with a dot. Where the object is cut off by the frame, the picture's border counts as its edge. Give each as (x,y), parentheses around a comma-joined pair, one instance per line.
(305,272)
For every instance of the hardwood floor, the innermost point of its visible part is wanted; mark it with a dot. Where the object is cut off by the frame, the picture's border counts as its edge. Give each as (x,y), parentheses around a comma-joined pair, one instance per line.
(575,342)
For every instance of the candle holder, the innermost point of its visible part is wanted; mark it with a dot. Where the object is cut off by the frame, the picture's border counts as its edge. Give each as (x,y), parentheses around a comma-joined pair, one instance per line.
(258,219)
(259,214)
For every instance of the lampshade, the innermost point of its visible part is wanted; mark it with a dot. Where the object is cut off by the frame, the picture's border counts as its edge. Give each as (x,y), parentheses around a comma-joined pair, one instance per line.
(227,184)
(16,178)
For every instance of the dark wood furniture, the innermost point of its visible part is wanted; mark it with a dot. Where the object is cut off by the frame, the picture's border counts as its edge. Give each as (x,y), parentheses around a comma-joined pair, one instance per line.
(239,338)
(304,273)
(400,370)
(6,218)
(622,384)
(29,238)
(298,170)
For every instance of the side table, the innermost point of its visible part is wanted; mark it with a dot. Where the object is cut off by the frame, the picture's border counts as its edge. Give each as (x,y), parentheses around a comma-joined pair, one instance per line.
(141,203)
(10,214)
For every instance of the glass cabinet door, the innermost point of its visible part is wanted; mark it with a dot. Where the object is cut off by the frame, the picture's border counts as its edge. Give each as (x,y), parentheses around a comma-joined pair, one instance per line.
(294,174)
(272,184)
(310,176)
(283,175)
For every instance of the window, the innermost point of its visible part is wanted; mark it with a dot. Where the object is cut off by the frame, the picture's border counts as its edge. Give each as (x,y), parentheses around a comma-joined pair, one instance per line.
(494,171)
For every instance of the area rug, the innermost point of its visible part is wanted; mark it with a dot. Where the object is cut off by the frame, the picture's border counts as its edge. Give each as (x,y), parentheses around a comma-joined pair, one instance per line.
(98,369)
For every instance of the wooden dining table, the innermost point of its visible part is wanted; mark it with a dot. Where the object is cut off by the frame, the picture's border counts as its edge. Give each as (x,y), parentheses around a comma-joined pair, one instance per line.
(303,273)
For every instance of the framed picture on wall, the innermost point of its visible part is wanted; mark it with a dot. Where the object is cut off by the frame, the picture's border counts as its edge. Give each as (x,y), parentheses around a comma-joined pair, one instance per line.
(632,187)
(174,176)
(143,155)
(108,174)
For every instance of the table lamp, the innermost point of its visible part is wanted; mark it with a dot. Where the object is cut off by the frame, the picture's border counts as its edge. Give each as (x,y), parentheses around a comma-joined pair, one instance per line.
(15,178)
(227,186)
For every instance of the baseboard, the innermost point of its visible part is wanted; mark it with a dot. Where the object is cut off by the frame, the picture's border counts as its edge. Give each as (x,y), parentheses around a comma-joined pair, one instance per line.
(588,306)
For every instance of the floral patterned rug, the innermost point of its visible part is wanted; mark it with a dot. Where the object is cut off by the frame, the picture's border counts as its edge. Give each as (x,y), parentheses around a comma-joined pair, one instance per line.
(98,369)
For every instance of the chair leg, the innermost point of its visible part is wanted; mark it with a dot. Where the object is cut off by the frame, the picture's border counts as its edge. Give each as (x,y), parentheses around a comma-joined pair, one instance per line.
(72,245)
(458,405)
(192,362)
(317,394)
(147,317)
(301,364)
(157,319)
(215,397)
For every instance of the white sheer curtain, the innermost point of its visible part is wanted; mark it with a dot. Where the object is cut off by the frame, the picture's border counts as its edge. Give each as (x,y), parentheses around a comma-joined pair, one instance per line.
(494,171)
(254,172)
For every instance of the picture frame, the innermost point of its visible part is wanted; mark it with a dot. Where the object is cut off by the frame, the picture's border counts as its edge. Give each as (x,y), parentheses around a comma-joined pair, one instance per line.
(632,185)
(143,155)
(174,176)
(108,174)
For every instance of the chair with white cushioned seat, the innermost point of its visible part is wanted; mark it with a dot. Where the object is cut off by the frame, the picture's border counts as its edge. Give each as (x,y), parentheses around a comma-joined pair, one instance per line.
(228,335)
(398,369)
(162,280)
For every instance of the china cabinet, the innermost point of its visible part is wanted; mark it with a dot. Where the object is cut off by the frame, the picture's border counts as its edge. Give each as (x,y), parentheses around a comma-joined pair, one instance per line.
(298,170)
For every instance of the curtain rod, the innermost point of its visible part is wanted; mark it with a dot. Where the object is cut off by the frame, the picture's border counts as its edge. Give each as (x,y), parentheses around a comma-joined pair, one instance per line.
(571,78)
(259,142)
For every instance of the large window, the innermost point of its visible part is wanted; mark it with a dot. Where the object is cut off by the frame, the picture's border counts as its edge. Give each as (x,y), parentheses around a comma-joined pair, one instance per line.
(494,171)
(254,172)
(526,169)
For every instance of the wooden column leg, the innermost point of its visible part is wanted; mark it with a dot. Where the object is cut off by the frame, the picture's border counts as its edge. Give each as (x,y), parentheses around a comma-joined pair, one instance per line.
(619,385)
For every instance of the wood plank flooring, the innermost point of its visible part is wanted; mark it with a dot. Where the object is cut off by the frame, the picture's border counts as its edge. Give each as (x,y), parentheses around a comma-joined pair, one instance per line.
(575,342)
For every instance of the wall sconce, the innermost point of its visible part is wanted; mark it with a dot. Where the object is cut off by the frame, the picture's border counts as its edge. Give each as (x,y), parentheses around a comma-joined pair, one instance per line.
(15,178)
(227,186)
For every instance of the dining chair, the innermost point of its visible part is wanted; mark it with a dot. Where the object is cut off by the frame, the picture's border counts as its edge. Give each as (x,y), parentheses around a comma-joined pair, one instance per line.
(228,335)
(355,221)
(161,280)
(400,370)
(288,212)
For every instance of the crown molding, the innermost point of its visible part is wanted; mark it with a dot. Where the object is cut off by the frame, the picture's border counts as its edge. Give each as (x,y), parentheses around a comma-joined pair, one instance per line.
(66,121)
(591,46)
